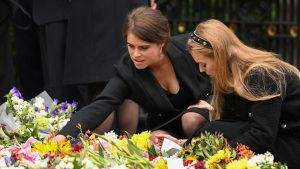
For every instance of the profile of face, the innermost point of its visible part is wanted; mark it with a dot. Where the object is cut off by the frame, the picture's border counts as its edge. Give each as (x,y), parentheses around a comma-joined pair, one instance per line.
(143,54)
(206,63)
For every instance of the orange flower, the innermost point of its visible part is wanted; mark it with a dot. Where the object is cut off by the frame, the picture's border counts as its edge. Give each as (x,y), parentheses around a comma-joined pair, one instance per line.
(244,151)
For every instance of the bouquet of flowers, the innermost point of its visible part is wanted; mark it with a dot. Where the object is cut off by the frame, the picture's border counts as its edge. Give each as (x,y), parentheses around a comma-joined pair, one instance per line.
(212,151)
(35,118)
(132,151)
(26,146)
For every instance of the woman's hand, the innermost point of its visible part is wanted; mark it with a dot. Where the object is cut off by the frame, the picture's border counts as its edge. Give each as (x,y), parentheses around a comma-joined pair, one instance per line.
(60,138)
(202,104)
(158,139)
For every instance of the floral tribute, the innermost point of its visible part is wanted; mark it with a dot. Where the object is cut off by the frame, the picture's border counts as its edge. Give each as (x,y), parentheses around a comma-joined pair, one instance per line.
(34,118)
(110,151)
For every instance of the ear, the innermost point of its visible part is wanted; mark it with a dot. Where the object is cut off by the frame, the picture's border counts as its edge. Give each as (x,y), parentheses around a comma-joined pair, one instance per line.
(161,47)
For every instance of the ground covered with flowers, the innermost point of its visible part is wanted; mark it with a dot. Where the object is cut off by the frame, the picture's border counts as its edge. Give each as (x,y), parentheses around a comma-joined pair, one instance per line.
(25,147)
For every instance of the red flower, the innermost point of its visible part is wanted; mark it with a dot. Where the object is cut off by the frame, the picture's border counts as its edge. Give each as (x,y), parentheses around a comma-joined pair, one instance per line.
(77,148)
(188,162)
(199,165)
(152,157)
(123,137)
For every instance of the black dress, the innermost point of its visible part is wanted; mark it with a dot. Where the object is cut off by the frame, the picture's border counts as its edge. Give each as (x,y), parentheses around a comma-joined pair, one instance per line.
(142,87)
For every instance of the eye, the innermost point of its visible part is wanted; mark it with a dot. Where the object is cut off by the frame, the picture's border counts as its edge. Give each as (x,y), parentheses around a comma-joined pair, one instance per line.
(143,47)
(129,45)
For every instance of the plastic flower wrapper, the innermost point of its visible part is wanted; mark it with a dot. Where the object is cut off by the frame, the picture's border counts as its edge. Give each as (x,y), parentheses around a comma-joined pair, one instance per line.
(37,117)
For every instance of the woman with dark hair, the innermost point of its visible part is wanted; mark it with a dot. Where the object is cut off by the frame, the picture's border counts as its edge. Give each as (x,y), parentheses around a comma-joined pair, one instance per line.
(256,99)
(158,74)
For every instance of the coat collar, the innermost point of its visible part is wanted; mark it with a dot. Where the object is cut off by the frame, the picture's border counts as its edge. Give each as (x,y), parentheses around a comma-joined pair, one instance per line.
(184,70)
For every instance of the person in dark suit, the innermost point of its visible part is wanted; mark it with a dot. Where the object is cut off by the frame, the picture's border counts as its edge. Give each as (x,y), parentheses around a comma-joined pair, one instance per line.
(51,18)
(156,73)
(256,99)
(6,61)
(94,43)
(28,58)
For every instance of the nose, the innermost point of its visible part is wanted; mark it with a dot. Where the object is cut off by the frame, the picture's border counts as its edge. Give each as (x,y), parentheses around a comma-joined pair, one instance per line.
(136,53)
(201,68)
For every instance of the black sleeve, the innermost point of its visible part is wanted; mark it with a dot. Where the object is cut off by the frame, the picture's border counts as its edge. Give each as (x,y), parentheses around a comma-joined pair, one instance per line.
(203,112)
(263,124)
(92,115)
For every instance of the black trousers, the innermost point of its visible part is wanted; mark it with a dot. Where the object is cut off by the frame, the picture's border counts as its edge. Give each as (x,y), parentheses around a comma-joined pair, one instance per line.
(6,61)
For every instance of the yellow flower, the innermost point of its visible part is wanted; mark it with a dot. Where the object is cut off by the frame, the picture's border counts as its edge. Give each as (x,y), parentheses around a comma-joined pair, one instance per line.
(192,158)
(49,148)
(52,147)
(64,146)
(142,140)
(238,164)
(160,164)
(219,156)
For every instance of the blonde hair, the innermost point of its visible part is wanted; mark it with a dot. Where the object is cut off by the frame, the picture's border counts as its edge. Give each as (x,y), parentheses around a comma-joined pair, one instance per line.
(235,63)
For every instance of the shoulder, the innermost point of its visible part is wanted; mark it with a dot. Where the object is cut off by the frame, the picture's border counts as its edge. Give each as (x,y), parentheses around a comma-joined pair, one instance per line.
(180,40)
(124,67)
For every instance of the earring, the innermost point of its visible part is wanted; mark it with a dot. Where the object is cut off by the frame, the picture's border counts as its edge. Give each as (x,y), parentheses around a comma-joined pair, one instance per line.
(161,49)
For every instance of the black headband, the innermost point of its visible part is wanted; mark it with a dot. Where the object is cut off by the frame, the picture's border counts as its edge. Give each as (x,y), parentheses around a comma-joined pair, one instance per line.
(200,40)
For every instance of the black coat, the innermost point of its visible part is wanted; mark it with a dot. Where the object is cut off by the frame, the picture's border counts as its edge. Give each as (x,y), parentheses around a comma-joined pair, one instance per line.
(4,10)
(94,39)
(6,65)
(144,89)
(47,11)
(272,125)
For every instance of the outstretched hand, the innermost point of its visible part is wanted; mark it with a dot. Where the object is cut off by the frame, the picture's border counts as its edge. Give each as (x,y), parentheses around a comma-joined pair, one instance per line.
(158,138)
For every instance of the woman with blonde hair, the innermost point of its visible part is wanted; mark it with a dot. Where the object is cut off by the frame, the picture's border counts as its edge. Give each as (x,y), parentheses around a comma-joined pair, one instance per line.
(256,99)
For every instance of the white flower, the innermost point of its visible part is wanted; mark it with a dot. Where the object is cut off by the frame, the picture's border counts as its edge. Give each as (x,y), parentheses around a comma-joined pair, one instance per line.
(111,135)
(42,113)
(17,100)
(39,103)
(88,164)
(261,159)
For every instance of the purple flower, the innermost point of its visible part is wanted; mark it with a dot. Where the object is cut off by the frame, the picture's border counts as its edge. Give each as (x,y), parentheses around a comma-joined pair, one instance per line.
(16,92)
(64,106)
(55,101)
(9,161)
(74,104)
(54,113)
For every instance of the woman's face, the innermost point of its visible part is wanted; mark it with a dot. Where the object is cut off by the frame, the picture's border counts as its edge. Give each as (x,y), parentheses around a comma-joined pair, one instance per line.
(142,53)
(206,63)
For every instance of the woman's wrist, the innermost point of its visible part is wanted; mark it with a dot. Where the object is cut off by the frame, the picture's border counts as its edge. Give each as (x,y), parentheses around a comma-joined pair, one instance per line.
(181,142)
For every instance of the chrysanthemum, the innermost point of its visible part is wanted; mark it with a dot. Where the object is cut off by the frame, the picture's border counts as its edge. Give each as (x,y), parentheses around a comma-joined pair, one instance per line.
(142,140)
(238,164)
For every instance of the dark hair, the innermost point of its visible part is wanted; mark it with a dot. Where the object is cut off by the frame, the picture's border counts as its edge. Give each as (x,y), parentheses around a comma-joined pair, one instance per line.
(147,24)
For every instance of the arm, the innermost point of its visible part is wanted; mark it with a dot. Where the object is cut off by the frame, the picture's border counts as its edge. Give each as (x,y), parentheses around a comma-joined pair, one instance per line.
(91,116)
(262,128)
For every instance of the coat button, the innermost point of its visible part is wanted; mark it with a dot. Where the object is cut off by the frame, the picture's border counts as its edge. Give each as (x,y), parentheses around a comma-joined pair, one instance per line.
(283,125)
(249,114)
(159,115)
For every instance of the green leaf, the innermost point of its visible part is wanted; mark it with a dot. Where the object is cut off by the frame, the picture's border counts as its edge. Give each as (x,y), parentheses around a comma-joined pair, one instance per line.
(134,149)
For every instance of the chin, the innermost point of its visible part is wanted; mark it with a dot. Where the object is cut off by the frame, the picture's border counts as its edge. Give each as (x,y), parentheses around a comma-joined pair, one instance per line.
(139,67)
